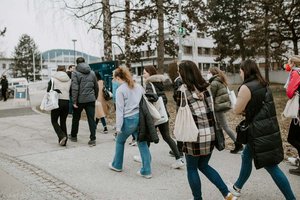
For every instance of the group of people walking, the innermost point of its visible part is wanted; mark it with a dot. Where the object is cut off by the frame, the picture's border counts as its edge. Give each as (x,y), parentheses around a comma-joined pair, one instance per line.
(80,88)
(208,101)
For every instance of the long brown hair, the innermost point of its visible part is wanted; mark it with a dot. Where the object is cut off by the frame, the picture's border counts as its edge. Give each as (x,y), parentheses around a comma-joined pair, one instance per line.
(191,76)
(150,70)
(251,69)
(216,71)
(124,74)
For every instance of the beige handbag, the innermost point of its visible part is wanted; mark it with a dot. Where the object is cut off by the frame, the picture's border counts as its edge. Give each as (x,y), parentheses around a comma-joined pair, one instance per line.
(185,128)
(292,107)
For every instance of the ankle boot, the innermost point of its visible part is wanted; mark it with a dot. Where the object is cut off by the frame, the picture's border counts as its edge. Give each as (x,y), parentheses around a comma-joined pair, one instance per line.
(238,147)
(295,171)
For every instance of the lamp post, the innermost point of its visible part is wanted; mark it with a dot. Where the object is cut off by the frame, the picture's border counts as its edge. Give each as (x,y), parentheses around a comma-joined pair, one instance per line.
(180,34)
(74,41)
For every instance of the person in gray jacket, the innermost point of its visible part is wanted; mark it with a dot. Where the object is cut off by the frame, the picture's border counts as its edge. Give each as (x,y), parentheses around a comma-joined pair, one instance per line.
(84,93)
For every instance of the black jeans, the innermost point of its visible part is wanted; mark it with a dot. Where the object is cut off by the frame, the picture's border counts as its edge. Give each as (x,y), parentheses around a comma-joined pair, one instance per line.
(294,136)
(62,113)
(90,114)
(164,131)
(4,91)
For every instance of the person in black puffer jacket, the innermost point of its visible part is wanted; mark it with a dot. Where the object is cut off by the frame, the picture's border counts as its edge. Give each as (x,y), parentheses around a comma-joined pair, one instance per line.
(264,143)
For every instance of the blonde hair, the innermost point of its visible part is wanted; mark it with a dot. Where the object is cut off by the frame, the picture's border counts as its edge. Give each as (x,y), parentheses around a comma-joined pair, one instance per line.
(296,59)
(219,73)
(124,74)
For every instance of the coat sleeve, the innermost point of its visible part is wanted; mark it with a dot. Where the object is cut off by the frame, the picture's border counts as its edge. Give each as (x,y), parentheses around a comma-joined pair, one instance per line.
(214,89)
(75,87)
(293,84)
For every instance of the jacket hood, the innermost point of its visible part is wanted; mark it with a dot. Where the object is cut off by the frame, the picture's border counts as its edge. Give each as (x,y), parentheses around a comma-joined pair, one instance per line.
(156,78)
(61,76)
(83,68)
(214,78)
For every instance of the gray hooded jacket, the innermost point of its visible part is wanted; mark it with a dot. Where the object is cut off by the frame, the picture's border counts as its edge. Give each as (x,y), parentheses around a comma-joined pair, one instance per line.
(84,84)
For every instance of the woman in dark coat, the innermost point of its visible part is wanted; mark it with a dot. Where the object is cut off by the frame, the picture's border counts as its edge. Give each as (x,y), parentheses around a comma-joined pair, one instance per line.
(264,144)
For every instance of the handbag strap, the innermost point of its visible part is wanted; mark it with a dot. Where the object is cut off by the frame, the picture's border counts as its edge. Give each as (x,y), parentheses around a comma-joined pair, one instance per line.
(186,102)
(52,84)
(153,88)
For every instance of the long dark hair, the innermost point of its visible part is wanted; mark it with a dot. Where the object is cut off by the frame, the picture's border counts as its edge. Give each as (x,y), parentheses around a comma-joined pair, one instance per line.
(98,75)
(191,76)
(251,69)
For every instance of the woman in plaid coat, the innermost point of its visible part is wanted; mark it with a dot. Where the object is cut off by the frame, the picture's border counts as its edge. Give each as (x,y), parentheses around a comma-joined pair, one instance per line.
(198,153)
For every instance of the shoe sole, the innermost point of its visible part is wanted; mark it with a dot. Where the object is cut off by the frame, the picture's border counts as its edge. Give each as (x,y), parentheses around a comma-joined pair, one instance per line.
(144,176)
(113,169)
(63,141)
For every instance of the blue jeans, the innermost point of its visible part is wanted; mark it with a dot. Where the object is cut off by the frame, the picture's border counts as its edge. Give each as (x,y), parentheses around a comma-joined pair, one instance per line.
(194,163)
(131,126)
(275,172)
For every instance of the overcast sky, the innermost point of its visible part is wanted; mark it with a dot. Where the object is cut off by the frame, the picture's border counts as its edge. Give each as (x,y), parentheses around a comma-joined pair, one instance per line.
(48,24)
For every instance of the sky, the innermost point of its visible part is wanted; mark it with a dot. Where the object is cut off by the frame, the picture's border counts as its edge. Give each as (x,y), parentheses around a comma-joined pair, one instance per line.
(50,26)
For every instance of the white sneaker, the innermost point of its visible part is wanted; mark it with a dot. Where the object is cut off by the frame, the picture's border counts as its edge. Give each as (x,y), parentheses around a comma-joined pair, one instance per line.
(230,197)
(145,176)
(294,161)
(113,168)
(137,159)
(232,190)
(178,164)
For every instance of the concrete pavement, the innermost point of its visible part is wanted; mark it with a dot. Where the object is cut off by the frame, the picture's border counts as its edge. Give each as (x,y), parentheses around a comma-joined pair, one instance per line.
(34,166)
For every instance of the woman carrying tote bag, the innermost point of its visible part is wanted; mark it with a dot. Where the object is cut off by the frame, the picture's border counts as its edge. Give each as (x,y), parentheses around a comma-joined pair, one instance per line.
(154,84)
(198,153)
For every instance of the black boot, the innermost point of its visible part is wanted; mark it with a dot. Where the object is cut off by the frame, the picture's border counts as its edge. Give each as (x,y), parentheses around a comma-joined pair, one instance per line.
(238,147)
(295,171)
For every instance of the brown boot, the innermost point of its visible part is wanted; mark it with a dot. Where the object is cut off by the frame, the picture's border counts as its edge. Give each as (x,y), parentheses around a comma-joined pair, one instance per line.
(295,171)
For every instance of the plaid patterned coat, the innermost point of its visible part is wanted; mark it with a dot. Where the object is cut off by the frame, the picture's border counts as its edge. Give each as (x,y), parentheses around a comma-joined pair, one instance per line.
(200,104)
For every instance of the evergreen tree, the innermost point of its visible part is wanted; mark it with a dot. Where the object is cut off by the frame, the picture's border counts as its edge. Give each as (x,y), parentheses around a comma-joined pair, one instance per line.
(25,51)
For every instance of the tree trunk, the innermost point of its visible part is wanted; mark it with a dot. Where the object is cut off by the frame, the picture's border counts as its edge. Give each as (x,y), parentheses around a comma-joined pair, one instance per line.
(127,34)
(161,39)
(266,23)
(107,31)
(295,43)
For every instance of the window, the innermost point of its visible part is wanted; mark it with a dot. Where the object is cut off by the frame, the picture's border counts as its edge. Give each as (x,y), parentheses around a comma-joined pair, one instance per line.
(206,51)
(4,65)
(199,51)
(206,66)
(200,35)
(188,50)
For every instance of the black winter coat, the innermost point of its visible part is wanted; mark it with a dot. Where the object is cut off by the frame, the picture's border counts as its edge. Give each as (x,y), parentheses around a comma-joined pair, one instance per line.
(147,130)
(264,133)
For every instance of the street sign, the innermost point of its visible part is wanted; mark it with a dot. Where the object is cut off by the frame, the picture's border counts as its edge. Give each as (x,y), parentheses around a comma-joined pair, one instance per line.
(181,31)
(21,93)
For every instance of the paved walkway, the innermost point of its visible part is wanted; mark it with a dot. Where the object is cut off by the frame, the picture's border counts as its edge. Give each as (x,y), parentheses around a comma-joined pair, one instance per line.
(34,166)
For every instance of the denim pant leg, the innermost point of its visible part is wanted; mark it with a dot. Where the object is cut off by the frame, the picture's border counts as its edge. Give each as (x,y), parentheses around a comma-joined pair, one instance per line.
(224,125)
(193,176)
(212,174)
(145,155)
(130,125)
(90,113)
(281,181)
(246,167)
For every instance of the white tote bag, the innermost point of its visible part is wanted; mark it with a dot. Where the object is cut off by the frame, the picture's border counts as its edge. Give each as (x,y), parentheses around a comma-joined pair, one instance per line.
(232,97)
(50,99)
(160,106)
(153,111)
(292,107)
(185,128)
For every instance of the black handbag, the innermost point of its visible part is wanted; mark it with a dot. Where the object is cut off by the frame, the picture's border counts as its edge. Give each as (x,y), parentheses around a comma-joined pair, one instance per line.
(219,140)
(106,94)
(242,132)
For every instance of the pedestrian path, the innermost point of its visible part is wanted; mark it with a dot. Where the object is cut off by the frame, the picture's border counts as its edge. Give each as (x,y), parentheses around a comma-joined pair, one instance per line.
(32,159)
